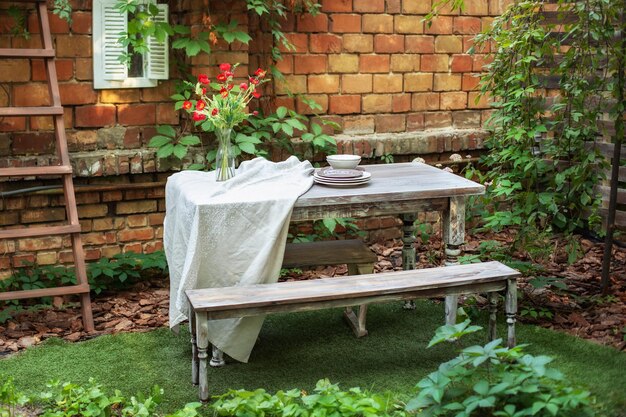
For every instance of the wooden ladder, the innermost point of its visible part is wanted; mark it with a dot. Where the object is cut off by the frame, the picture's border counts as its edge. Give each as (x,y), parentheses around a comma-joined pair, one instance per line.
(72,226)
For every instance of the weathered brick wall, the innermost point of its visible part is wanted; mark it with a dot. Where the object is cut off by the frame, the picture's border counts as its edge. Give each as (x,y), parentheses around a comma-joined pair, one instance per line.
(394,85)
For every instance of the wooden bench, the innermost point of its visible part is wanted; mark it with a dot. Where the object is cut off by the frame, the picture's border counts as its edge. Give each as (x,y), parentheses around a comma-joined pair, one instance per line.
(359,258)
(233,302)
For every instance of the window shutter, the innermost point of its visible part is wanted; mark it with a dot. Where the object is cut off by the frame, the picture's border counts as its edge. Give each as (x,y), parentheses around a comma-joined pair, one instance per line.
(111,23)
(158,57)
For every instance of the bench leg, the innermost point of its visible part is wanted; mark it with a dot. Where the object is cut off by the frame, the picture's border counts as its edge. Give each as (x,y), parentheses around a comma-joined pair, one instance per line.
(202,336)
(453,221)
(217,358)
(511,311)
(358,323)
(194,349)
(493,310)
(408,249)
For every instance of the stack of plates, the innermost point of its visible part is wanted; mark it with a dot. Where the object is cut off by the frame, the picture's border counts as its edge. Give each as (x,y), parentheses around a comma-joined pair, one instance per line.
(341,177)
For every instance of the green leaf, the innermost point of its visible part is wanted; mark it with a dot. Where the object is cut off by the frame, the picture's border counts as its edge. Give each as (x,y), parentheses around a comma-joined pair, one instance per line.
(158,141)
(166,130)
(281,112)
(189,140)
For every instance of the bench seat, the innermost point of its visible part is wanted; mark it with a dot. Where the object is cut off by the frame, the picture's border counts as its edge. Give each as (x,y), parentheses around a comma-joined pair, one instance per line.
(232,302)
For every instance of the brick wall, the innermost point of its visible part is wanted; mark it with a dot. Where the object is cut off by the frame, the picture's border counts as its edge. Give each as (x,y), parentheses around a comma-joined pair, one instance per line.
(394,85)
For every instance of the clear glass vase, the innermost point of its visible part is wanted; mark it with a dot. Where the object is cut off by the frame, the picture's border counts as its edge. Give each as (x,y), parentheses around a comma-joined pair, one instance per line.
(225,158)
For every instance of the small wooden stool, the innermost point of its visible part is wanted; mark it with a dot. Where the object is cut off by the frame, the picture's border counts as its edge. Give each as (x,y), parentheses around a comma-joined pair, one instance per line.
(359,258)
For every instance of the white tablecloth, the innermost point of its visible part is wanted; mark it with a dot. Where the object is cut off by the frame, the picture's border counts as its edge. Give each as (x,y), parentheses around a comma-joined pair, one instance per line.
(220,234)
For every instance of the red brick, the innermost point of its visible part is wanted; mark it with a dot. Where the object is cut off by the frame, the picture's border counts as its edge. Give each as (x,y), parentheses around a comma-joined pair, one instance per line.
(337,6)
(324,43)
(390,123)
(161,92)
(137,220)
(439,119)
(12,124)
(358,43)
(461,63)
(31,95)
(120,96)
(345,104)
(285,65)
(64,67)
(42,215)
(343,63)
(401,103)
(425,101)
(369,6)
(377,103)
(394,6)
(41,123)
(442,25)
(310,23)
(416,6)
(420,44)
(389,44)
(73,46)
(95,116)
(42,243)
(57,25)
(374,63)
(418,82)
(84,69)
(165,114)
(477,101)
(405,62)
(77,93)
(288,102)
(357,83)
(14,70)
(23,260)
(414,121)
(408,24)
(298,40)
(33,143)
(136,114)
(447,82)
(151,247)
(89,211)
(81,23)
(388,83)
(465,25)
(320,99)
(310,64)
(146,233)
(470,82)
(156,219)
(455,100)
(132,207)
(323,84)
(377,23)
(345,23)
(479,62)
(434,63)
(451,44)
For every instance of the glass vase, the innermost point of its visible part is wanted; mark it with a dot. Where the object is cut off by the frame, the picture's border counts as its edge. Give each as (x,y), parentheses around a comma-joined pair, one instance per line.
(225,158)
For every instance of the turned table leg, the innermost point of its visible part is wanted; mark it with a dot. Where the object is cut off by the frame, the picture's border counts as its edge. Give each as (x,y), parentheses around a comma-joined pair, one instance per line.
(453,238)
(493,310)
(202,338)
(358,323)
(511,311)
(217,358)
(408,249)
(194,349)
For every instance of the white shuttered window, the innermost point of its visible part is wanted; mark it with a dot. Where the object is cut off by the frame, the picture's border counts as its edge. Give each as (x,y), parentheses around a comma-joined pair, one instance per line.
(108,71)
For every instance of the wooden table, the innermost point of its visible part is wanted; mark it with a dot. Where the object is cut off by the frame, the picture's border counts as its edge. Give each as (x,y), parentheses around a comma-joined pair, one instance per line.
(406,189)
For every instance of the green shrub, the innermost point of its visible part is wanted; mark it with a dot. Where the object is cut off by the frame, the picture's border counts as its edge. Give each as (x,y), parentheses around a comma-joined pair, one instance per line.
(493,380)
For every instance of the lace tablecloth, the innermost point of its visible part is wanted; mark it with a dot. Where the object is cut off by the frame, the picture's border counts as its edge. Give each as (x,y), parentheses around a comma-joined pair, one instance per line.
(220,234)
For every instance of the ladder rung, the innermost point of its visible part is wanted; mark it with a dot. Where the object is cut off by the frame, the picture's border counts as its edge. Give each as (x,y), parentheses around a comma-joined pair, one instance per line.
(39,231)
(45,292)
(30,171)
(31,111)
(26,53)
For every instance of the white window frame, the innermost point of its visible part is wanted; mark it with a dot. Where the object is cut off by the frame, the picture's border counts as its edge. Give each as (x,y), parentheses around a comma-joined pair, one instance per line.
(108,72)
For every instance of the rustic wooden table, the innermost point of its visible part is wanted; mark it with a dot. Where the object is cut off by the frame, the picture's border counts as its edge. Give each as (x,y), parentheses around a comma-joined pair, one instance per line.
(406,189)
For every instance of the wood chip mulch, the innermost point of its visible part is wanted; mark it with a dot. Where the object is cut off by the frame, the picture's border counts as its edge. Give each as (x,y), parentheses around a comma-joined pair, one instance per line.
(579,310)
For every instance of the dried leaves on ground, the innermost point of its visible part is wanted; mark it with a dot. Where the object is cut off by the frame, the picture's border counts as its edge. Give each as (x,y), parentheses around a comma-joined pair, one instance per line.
(569,300)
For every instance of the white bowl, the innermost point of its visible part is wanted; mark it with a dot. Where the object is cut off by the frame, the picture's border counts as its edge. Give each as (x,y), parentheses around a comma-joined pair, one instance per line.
(343,161)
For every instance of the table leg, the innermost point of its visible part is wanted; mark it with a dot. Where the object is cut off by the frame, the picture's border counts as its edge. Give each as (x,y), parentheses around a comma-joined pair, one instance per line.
(453,238)
(217,358)
(408,249)
(202,337)
(493,310)
(194,349)
(358,323)
(511,311)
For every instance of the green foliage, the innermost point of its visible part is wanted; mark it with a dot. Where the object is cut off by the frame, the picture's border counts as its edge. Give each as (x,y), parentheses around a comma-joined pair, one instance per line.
(328,229)
(120,270)
(539,159)
(9,398)
(326,400)
(19,17)
(63,9)
(493,380)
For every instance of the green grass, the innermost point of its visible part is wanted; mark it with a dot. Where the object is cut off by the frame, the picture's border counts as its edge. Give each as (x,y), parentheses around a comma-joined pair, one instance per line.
(296,350)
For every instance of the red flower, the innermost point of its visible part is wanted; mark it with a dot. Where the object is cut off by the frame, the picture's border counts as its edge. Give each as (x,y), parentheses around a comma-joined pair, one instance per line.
(200,105)
(203,90)
(224,92)
(255,113)
(198,116)
(229,74)
(224,67)
(260,73)
(243,86)
(221,78)
(256,94)
(187,105)
(203,79)
(214,112)
(253,81)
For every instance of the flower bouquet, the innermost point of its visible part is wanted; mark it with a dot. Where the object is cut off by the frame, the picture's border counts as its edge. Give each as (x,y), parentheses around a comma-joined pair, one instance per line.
(221,111)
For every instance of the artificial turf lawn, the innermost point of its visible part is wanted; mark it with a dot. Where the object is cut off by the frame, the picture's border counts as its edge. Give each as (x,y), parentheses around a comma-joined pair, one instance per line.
(296,350)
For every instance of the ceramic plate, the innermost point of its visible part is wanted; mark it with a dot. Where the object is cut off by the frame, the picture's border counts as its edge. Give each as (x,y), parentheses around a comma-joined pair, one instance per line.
(365,176)
(339,173)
